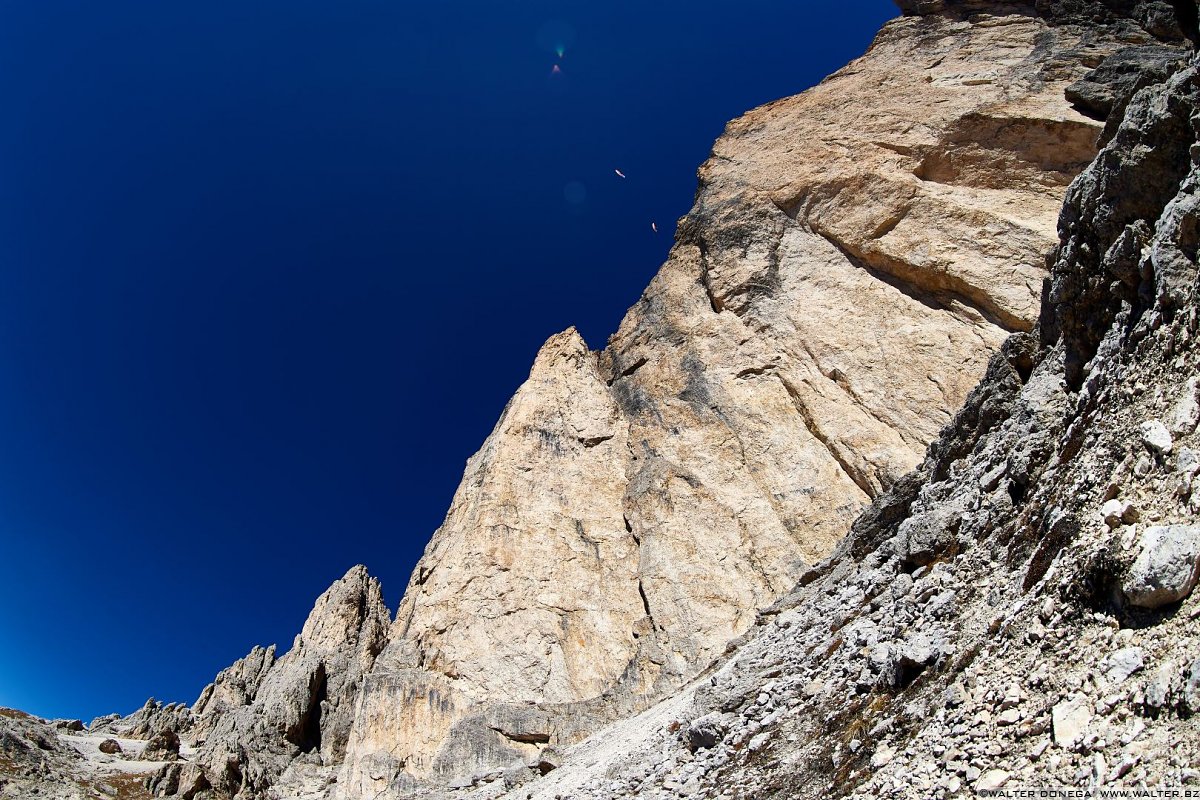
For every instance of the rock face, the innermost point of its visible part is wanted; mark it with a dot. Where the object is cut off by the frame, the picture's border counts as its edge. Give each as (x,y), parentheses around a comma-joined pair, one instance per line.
(163,746)
(988,621)
(234,687)
(262,714)
(857,259)
(854,256)
(147,722)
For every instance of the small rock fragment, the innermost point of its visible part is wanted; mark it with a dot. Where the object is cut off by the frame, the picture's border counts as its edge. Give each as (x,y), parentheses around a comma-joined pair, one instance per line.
(992,779)
(1160,689)
(704,733)
(548,760)
(1156,437)
(1118,512)
(1167,568)
(1070,719)
(1186,413)
(1191,689)
(1123,663)
(1099,770)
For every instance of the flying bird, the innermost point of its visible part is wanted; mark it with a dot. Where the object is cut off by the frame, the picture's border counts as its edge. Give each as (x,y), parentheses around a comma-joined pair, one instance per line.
(619,173)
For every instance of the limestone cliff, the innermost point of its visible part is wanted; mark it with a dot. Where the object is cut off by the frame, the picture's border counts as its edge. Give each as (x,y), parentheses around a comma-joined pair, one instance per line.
(854,256)
(1021,610)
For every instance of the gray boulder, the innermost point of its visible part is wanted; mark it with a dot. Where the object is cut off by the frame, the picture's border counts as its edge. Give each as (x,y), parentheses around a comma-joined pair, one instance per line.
(1110,86)
(1166,569)
(704,733)
(163,746)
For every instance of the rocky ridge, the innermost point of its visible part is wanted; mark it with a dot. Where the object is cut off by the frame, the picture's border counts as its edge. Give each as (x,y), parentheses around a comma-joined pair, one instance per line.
(570,585)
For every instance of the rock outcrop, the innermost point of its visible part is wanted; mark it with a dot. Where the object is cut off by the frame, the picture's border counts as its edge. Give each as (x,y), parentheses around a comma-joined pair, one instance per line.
(148,721)
(52,761)
(34,760)
(234,687)
(1020,611)
(854,257)
(261,715)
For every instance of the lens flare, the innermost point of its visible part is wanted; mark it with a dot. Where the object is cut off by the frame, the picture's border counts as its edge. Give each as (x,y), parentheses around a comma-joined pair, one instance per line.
(555,36)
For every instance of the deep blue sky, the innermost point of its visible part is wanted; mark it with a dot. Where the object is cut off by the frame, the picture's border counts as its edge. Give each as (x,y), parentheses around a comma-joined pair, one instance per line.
(270,269)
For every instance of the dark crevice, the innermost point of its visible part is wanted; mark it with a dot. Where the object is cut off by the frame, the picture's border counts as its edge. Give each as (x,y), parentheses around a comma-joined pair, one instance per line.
(627,371)
(525,737)
(1058,535)
(810,423)
(1188,18)
(645,601)
(713,302)
(1099,589)
(907,673)
(306,733)
(595,440)
(233,777)
(756,371)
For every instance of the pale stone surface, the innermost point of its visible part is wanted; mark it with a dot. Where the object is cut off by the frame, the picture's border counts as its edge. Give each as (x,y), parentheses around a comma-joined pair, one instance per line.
(1156,436)
(1071,718)
(262,714)
(1027,611)
(234,687)
(1186,413)
(992,779)
(1123,663)
(1167,568)
(855,255)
